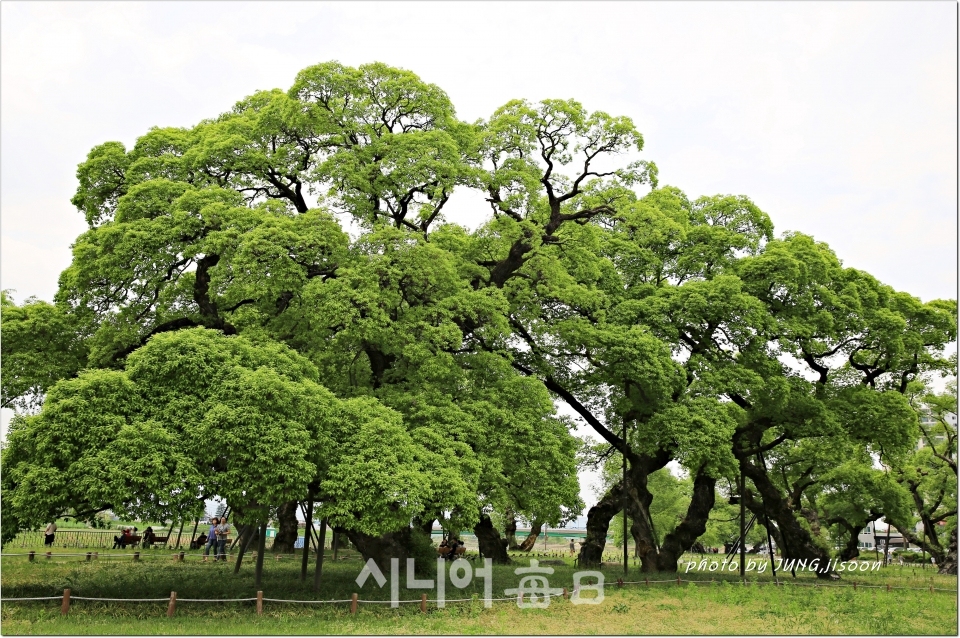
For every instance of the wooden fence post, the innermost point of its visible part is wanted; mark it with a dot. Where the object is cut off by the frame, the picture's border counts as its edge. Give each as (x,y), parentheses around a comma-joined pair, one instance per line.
(136,556)
(172,607)
(423,603)
(65,605)
(89,556)
(678,581)
(31,556)
(49,555)
(353,604)
(180,557)
(565,596)
(259,603)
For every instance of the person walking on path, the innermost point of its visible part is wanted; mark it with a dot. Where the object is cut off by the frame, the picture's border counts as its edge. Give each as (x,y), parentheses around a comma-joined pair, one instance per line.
(211,539)
(223,535)
(48,534)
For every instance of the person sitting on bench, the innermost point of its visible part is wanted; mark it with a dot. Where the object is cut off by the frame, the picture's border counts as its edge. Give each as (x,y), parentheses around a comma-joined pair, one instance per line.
(199,542)
(453,544)
(125,538)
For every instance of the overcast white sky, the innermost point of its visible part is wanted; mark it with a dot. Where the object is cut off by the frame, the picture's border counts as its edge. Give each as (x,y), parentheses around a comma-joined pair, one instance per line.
(837,118)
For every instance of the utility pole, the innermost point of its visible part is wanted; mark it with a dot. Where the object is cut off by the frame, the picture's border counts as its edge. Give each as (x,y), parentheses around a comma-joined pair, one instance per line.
(923,548)
(626,562)
(743,531)
(886,545)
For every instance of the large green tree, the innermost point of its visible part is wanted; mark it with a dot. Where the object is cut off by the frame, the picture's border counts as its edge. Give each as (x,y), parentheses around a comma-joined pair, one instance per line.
(210,227)
(296,246)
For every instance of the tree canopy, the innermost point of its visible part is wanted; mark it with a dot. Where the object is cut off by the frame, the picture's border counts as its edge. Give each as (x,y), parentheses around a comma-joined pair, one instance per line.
(275,295)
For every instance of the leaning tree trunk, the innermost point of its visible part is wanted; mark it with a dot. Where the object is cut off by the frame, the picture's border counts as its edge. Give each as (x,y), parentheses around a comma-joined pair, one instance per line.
(598,522)
(796,540)
(693,525)
(850,549)
(948,564)
(491,545)
(535,528)
(248,534)
(287,528)
(510,531)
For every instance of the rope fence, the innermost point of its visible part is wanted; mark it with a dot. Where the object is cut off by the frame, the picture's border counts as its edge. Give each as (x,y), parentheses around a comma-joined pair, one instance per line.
(355,601)
(67,598)
(181,556)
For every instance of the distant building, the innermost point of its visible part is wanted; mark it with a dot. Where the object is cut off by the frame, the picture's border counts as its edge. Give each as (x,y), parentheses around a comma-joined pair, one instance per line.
(874,537)
(865,537)
(928,421)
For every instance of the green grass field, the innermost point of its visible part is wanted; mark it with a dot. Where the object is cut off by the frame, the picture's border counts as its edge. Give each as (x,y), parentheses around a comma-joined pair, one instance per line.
(713,604)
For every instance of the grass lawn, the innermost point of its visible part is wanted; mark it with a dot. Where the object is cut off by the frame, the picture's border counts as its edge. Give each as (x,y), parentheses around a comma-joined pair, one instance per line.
(723,606)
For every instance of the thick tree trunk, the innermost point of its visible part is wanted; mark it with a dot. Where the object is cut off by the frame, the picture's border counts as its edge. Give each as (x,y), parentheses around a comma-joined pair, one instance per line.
(928,542)
(381,548)
(287,528)
(949,563)
(796,541)
(535,528)
(510,531)
(851,549)
(693,525)
(491,545)
(640,546)
(598,522)
(638,511)
(639,499)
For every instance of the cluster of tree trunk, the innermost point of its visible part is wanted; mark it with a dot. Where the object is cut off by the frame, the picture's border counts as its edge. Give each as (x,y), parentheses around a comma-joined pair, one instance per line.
(510,534)
(774,511)
(778,514)
(636,498)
